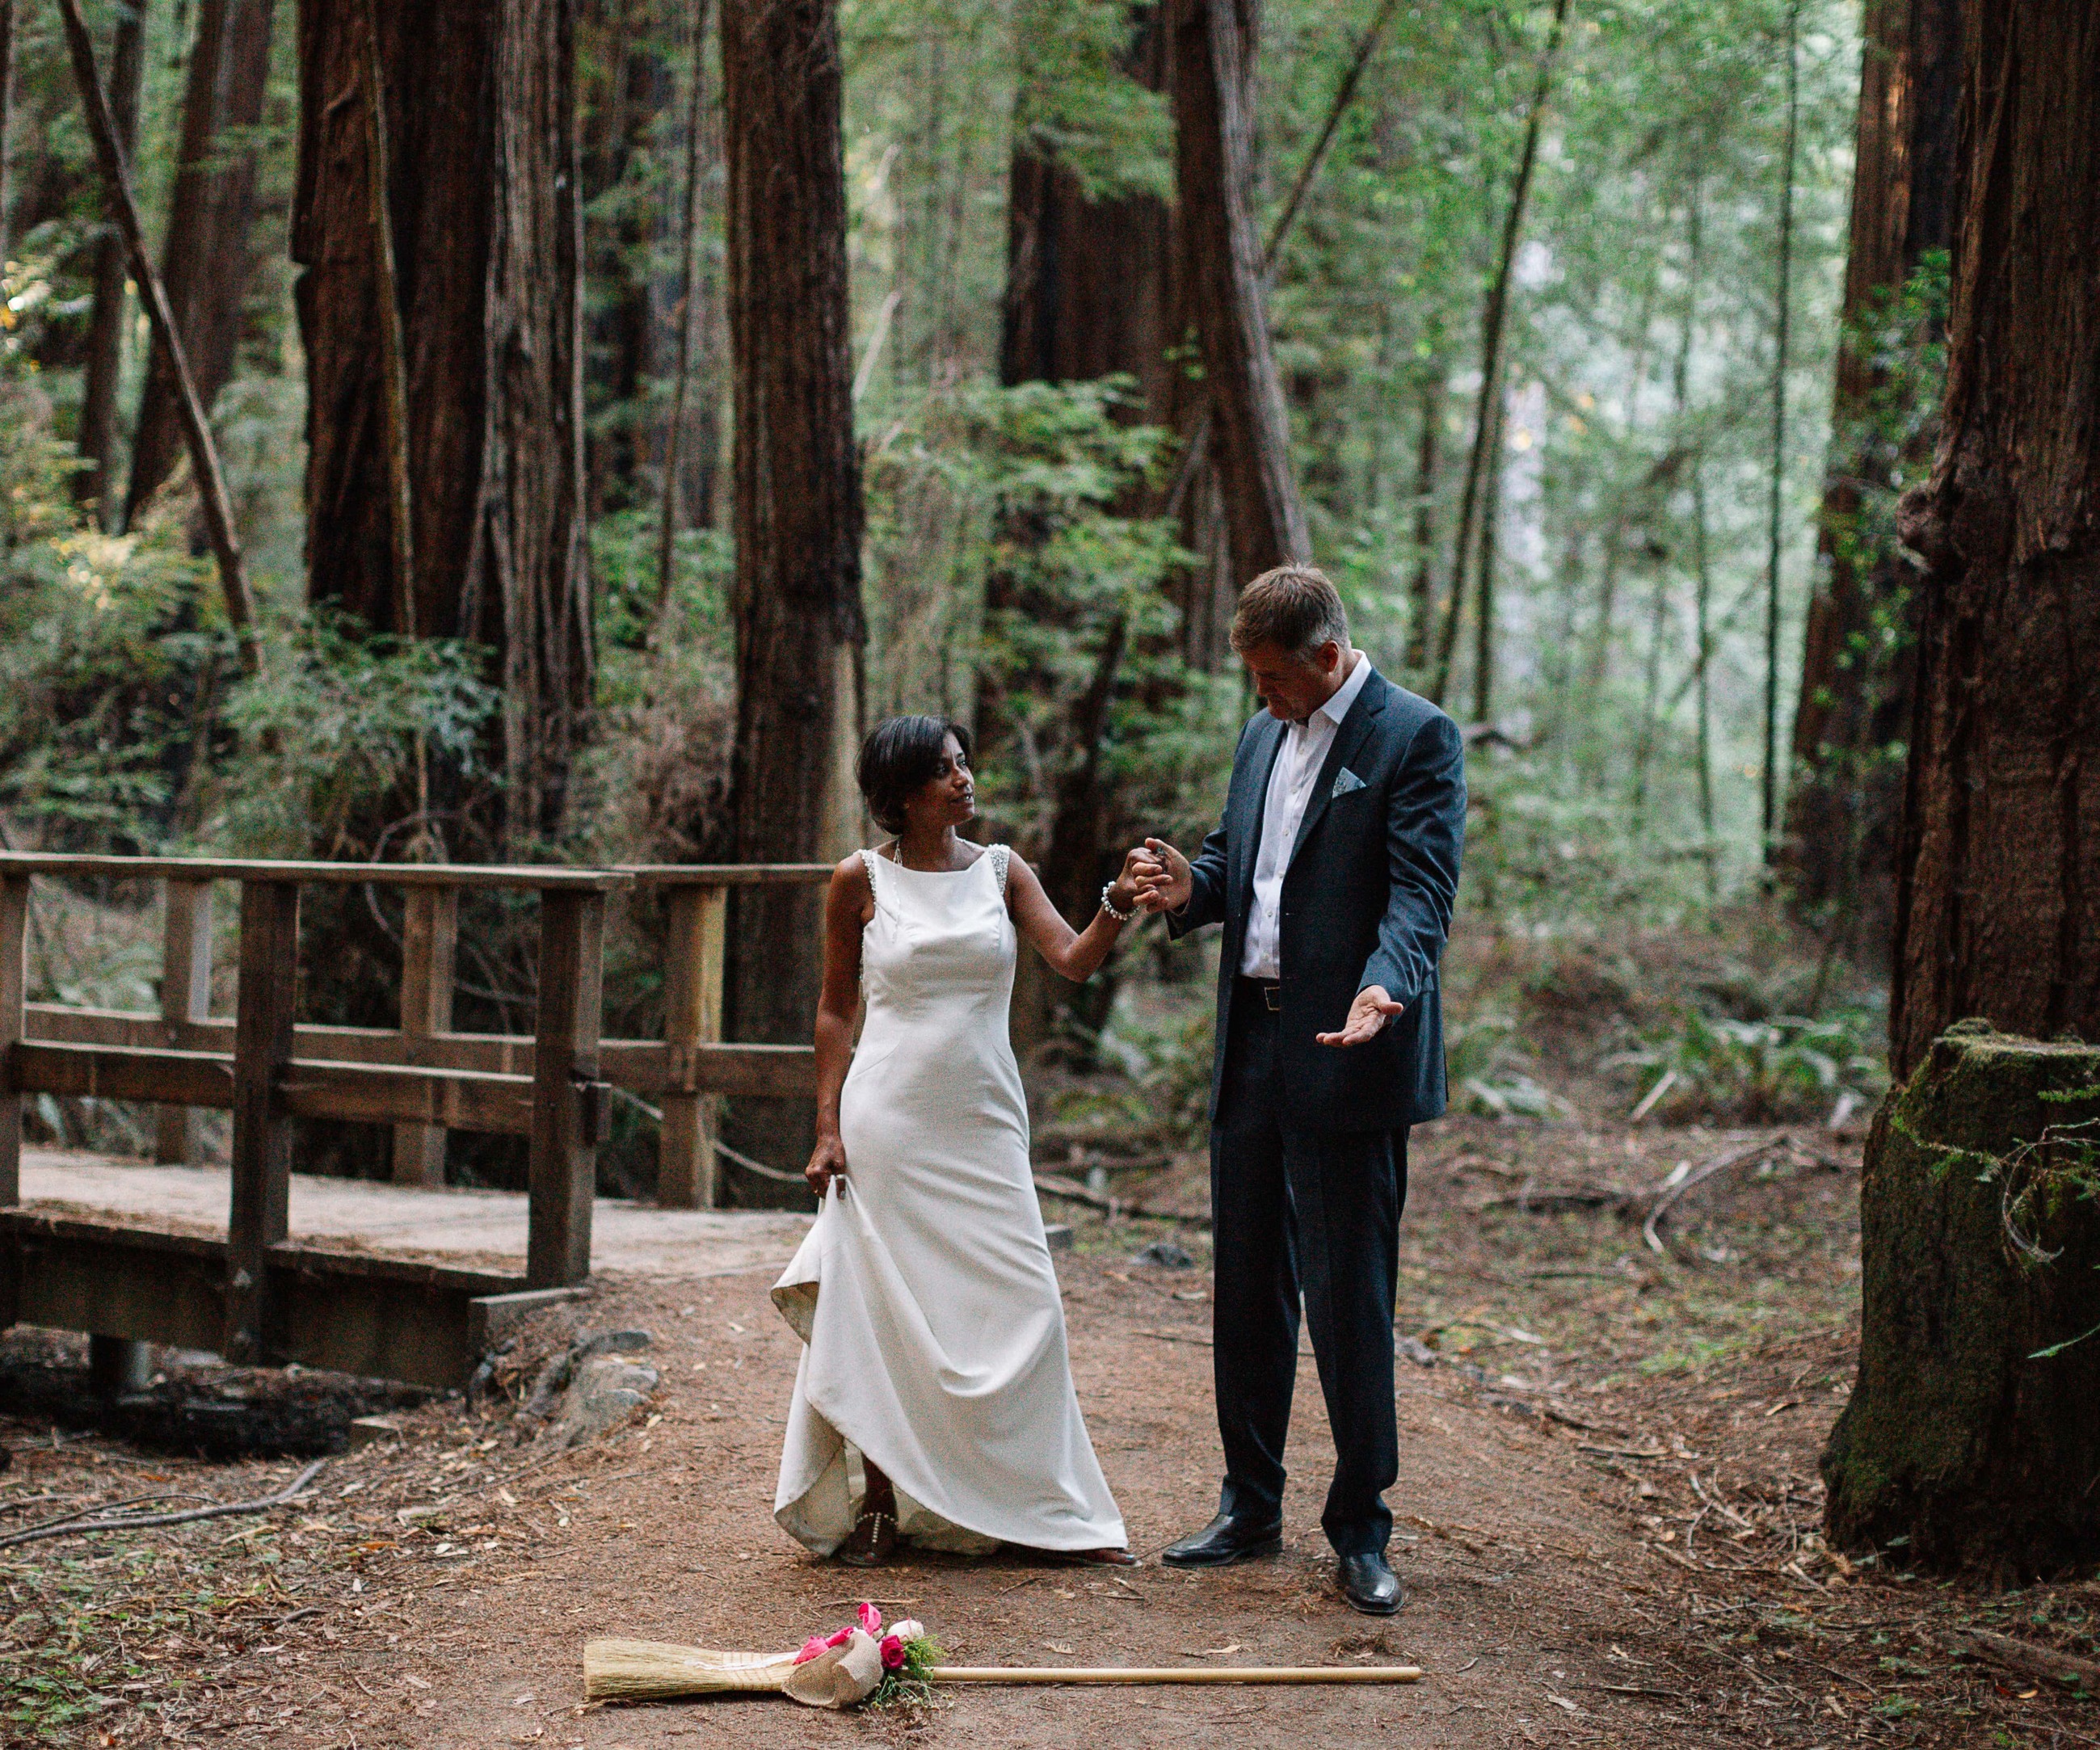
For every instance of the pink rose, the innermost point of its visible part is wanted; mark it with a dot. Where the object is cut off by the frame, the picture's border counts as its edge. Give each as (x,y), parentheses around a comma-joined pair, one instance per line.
(841,1638)
(810,1648)
(893,1653)
(870,1619)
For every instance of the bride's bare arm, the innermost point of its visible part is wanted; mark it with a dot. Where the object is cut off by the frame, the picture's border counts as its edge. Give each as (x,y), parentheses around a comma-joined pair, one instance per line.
(849,904)
(1075,954)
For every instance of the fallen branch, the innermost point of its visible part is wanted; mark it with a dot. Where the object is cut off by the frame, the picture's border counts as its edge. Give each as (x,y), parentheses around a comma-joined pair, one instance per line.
(1534,1202)
(148,1521)
(1698,1176)
(2026,1658)
(1073,1191)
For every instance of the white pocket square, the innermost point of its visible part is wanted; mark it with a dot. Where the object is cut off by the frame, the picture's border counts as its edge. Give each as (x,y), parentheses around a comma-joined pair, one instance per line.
(1345,781)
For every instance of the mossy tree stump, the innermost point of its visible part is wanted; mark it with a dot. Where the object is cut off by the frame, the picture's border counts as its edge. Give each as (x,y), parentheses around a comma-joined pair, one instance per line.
(1972,1439)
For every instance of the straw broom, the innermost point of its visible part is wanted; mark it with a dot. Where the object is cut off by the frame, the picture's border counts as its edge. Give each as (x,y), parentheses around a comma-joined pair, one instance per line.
(654,1671)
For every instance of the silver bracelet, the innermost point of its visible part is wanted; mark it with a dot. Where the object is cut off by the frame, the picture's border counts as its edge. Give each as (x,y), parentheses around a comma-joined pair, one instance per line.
(1108,904)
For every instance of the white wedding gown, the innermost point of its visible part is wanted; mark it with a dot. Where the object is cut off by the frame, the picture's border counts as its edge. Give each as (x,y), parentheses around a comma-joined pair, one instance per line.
(924,1291)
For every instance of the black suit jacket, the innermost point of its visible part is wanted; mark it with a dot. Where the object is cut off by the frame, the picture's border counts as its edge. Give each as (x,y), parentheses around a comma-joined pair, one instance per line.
(1367,898)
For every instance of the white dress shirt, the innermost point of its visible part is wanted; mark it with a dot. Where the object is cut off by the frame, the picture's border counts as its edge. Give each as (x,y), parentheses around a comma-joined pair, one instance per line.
(1291,781)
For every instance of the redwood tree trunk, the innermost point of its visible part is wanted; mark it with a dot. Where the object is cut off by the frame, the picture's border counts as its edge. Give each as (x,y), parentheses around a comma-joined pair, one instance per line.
(1971,1430)
(1090,293)
(796,504)
(1858,659)
(1998,895)
(95,483)
(204,261)
(479,105)
(1213,48)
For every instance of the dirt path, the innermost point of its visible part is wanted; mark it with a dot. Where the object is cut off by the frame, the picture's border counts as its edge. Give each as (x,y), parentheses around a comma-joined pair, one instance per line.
(1607,1498)
(668,1536)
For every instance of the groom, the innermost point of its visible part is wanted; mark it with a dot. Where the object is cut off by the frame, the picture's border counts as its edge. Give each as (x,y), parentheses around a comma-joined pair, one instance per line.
(1333,872)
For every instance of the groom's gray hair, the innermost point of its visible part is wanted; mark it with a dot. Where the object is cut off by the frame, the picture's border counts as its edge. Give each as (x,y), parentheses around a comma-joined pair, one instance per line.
(1293,608)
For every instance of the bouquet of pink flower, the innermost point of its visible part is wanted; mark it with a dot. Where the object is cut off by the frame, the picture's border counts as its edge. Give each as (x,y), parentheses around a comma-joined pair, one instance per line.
(907,1652)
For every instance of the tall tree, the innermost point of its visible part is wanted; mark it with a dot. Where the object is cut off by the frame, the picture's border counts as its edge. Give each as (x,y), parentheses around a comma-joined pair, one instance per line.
(1213,45)
(1782,340)
(95,482)
(1970,1434)
(1857,658)
(480,204)
(1092,292)
(796,498)
(1493,317)
(205,261)
(1997,904)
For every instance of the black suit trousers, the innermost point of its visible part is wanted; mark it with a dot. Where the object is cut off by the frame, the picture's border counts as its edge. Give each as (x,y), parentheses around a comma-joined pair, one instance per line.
(1313,1212)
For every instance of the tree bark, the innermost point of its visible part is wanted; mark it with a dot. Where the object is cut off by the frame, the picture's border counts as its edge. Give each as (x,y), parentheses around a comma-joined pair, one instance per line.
(1783,332)
(684,315)
(205,260)
(1092,292)
(1859,655)
(95,483)
(214,503)
(487,239)
(797,500)
(1422,590)
(1998,896)
(1213,44)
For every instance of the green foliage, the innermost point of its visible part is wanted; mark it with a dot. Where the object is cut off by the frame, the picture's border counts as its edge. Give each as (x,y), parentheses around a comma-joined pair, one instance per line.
(341,722)
(1077,104)
(1489,1072)
(1164,1099)
(103,640)
(1759,1071)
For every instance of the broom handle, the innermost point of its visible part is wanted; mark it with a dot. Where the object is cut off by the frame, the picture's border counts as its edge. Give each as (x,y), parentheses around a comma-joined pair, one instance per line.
(1174,1675)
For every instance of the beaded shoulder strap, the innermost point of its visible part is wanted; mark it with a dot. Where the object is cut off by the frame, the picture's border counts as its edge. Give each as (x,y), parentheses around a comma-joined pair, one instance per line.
(1000,855)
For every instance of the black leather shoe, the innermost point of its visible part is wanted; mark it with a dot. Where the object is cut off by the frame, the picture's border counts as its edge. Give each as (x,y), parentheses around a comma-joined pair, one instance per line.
(1370,1584)
(1225,1540)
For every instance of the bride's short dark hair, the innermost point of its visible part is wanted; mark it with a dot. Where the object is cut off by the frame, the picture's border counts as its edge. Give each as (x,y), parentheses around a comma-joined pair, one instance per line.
(898,757)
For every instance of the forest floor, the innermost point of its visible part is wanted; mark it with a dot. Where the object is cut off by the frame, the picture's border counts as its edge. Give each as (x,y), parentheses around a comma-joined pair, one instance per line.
(1607,1515)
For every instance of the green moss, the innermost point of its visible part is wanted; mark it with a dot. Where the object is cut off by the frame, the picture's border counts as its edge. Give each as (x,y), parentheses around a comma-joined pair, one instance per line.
(1970,1431)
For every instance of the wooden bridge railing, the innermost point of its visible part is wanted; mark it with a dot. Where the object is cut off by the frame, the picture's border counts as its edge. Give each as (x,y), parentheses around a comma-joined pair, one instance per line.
(258,1294)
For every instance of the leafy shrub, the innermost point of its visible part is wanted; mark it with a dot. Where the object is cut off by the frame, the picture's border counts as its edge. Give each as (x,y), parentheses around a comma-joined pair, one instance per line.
(1490,1075)
(1757,1071)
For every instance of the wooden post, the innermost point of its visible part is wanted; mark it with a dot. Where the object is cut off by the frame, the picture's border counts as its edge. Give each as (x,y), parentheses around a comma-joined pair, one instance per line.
(686,1171)
(261,1135)
(566,1094)
(14,936)
(185,995)
(430,935)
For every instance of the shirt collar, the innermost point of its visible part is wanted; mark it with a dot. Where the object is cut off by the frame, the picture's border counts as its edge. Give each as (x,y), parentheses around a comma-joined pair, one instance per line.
(1345,695)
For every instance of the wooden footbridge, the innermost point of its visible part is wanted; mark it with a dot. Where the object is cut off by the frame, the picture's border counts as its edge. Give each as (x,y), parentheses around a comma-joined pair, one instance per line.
(262,1295)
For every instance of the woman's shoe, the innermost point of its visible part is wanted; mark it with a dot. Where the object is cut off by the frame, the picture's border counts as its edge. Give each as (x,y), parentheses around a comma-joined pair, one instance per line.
(873,1540)
(1091,1558)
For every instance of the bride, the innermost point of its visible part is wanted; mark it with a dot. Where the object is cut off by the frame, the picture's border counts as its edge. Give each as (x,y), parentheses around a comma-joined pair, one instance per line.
(934,1400)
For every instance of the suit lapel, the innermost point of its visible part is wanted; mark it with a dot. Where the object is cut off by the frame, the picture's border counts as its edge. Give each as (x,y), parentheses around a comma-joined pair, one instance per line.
(1246,835)
(1349,739)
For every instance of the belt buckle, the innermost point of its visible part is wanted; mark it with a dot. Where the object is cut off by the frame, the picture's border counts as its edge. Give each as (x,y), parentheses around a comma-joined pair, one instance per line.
(1273,996)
